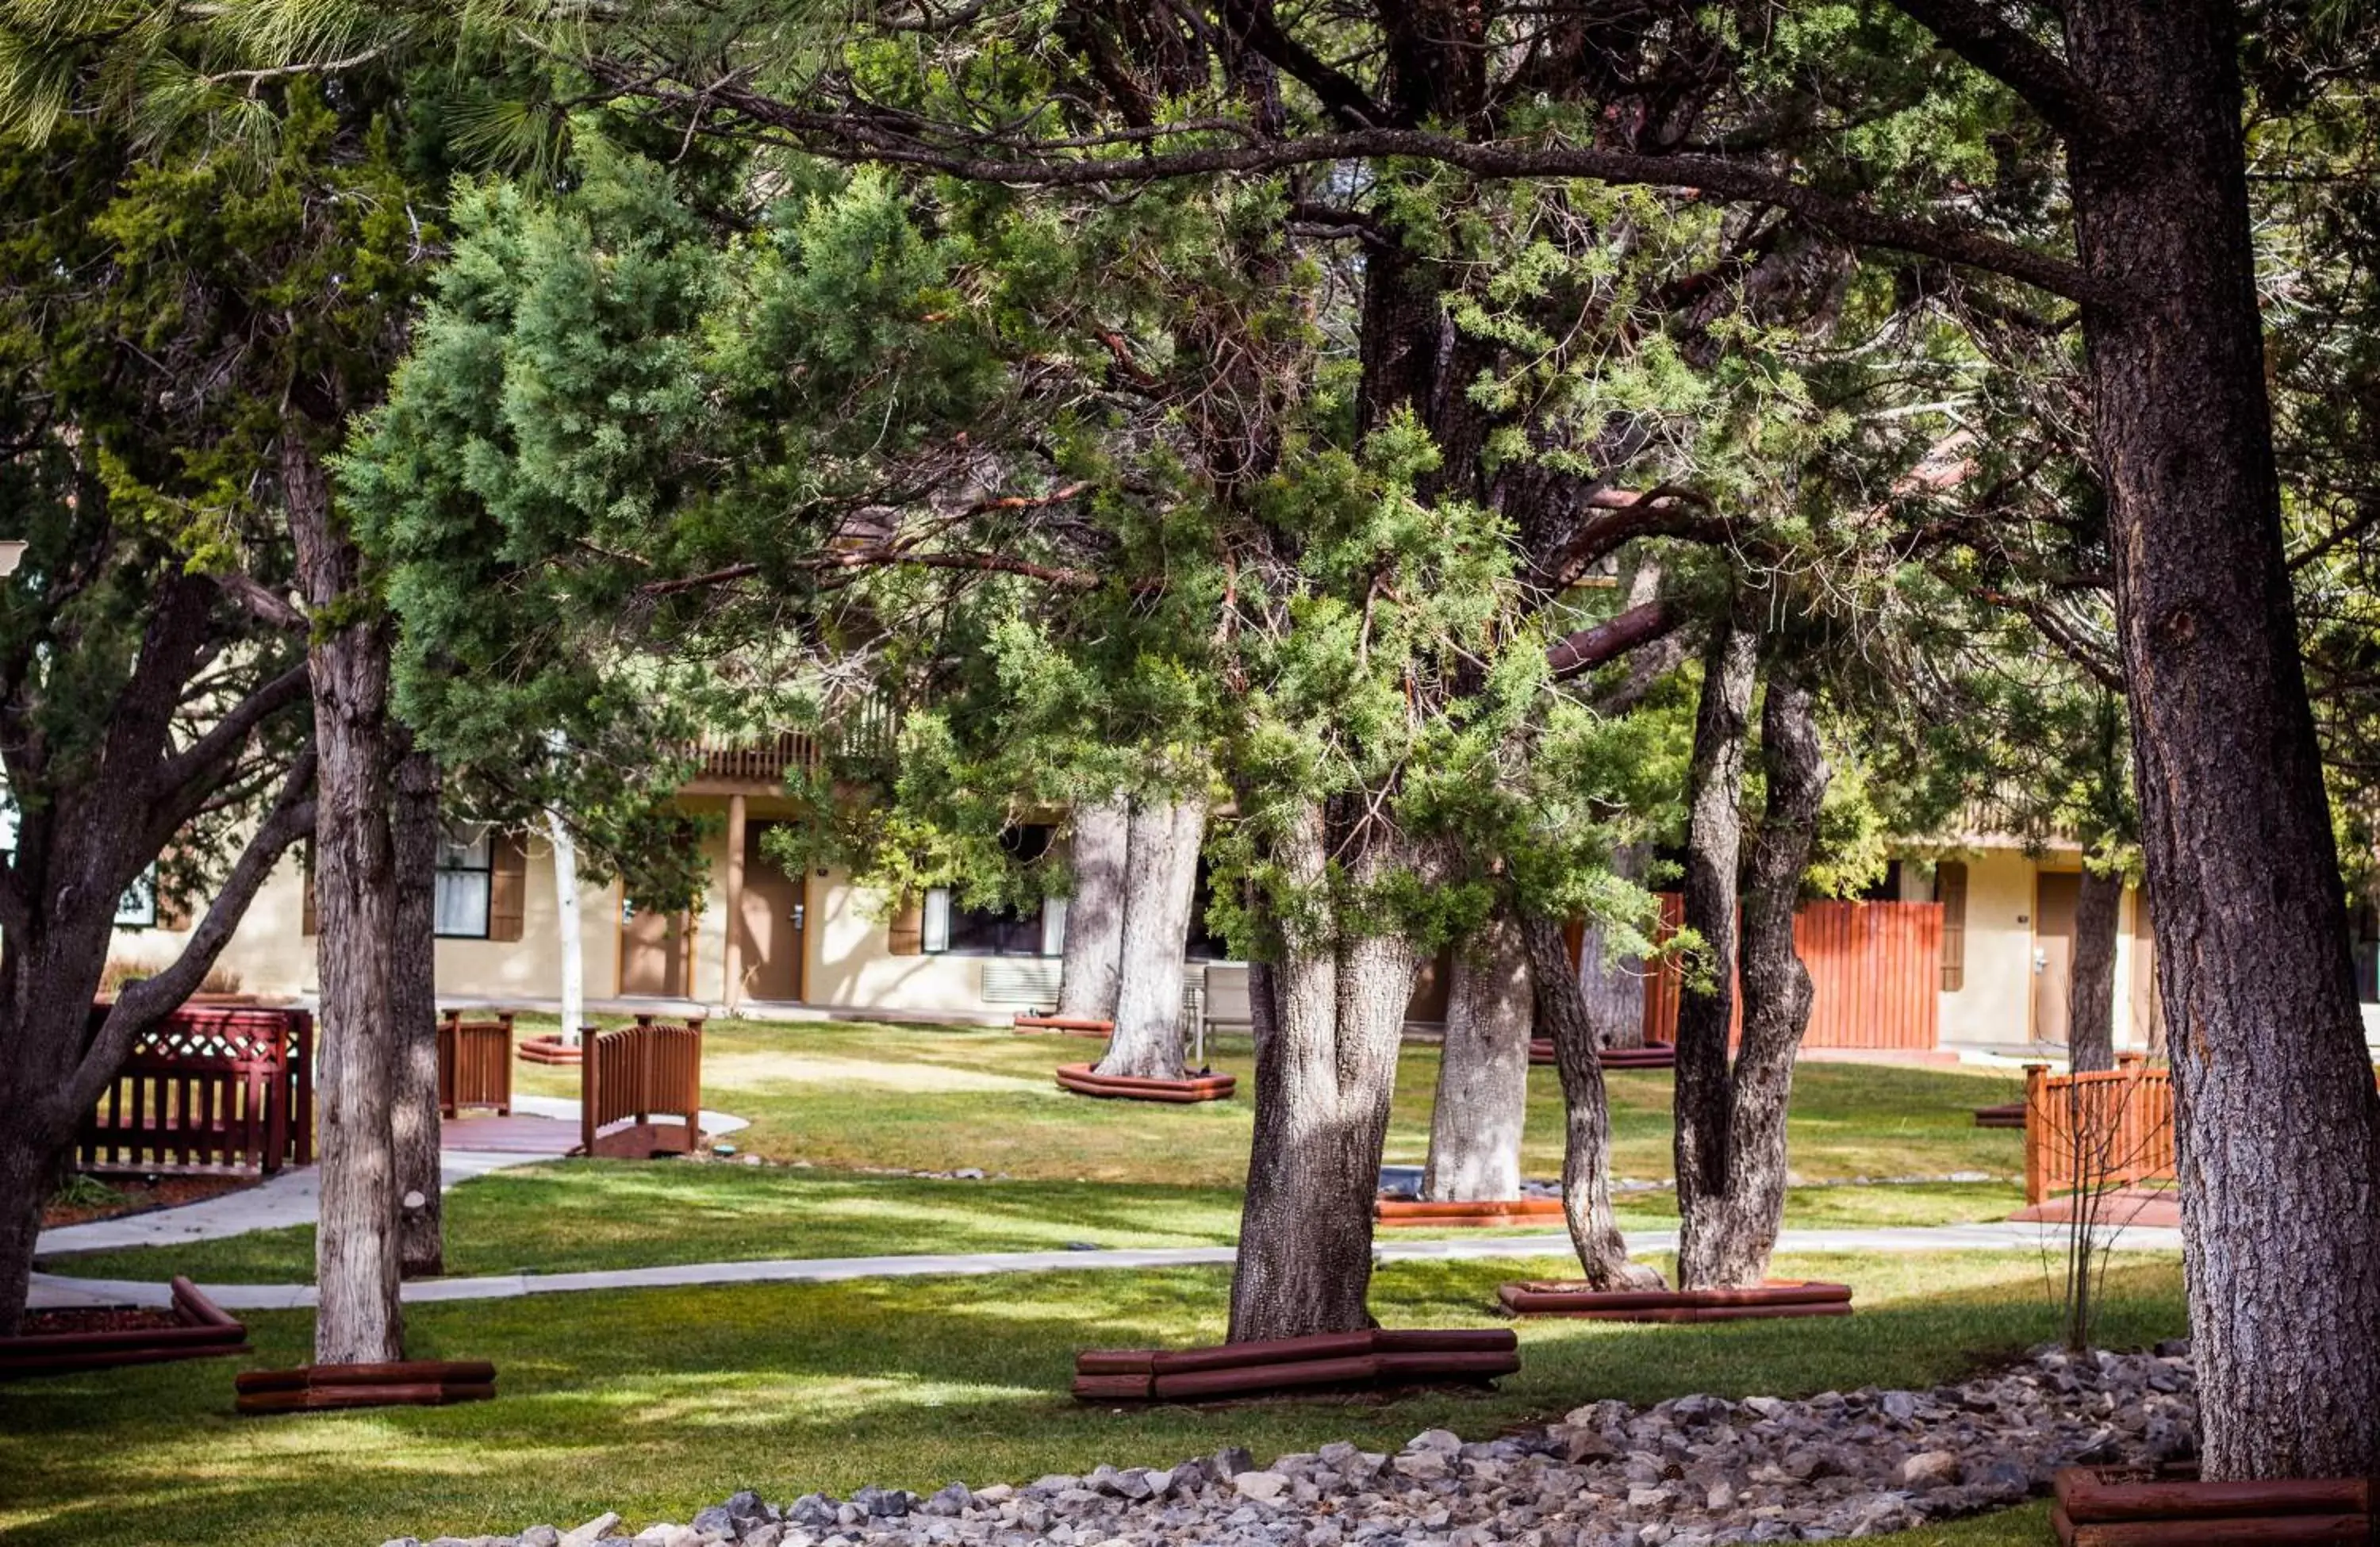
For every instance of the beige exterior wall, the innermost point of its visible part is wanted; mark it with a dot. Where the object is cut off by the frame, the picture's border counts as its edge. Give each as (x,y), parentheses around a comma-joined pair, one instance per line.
(1995,1006)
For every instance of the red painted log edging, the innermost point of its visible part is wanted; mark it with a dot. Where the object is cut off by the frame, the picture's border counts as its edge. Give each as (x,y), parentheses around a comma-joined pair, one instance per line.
(1393,1212)
(1777,1297)
(1653,1056)
(2008,1114)
(414,1382)
(549,1050)
(2121,1506)
(204,1332)
(1080,1079)
(1068,1025)
(1377,1359)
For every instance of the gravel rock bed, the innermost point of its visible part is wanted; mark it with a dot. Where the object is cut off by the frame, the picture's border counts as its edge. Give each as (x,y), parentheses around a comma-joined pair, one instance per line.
(1689,1472)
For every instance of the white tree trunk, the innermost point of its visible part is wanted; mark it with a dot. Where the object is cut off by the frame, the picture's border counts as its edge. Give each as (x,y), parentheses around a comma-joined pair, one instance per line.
(1483,1071)
(1614,991)
(1161,881)
(1093,963)
(567,926)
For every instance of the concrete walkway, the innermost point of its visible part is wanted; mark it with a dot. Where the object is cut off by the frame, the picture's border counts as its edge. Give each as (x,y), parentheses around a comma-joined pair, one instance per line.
(825,1270)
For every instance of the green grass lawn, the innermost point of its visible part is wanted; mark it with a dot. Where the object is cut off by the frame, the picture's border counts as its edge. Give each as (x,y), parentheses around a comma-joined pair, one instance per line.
(657,1402)
(570,1215)
(847,1097)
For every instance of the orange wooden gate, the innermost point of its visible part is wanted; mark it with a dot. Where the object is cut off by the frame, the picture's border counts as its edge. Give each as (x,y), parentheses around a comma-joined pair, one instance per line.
(475,1064)
(2103,1129)
(630,1077)
(1875,975)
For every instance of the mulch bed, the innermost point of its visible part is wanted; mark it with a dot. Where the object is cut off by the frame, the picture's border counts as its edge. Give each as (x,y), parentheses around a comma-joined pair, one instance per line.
(1065,1025)
(1080,1079)
(2008,1115)
(142,1196)
(1776,1297)
(1334,1361)
(548,1050)
(1395,1212)
(1653,1056)
(2131,1507)
(412,1384)
(55,1342)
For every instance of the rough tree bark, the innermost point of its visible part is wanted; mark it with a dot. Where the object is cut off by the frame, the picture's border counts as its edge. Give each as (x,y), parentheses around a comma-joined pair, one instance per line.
(359,1318)
(1714,852)
(1093,963)
(2279,1122)
(1161,879)
(1568,1019)
(1483,1070)
(2091,991)
(413,1017)
(1729,1230)
(1326,1018)
(1615,990)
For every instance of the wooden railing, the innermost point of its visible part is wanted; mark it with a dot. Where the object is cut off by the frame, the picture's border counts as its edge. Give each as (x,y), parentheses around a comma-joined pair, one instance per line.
(2104,1129)
(475,1064)
(1875,975)
(769,759)
(208,1087)
(640,1090)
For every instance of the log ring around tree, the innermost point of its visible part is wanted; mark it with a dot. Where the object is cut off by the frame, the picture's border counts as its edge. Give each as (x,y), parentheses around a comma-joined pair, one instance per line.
(1082,1081)
(410,1383)
(2117,1506)
(201,1330)
(1374,1360)
(1776,1297)
(1066,1026)
(549,1050)
(1393,1212)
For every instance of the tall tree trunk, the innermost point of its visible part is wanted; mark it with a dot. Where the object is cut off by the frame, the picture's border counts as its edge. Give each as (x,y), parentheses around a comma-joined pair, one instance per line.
(1093,965)
(1566,1016)
(1727,1234)
(1614,991)
(2279,1122)
(1161,879)
(413,1015)
(566,927)
(1483,1070)
(28,1158)
(1326,1018)
(358,1320)
(2091,991)
(1714,855)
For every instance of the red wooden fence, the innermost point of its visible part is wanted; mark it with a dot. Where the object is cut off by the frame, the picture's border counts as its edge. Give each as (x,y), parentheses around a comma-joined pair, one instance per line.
(208,1087)
(2102,1128)
(475,1064)
(628,1077)
(1875,975)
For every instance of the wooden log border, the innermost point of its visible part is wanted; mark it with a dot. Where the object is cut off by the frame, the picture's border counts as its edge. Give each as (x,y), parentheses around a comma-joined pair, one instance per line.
(1334,1361)
(204,1332)
(1760,1302)
(1065,1025)
(1652,1056)
(411,1384)
(2008,1114)
(1080,1079)
(549,1050)
(2132,1507)
(1407,1212)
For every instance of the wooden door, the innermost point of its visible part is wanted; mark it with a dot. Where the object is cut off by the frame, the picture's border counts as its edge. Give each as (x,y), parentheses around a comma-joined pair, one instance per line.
(773,924)
(654,949)
(2053,897)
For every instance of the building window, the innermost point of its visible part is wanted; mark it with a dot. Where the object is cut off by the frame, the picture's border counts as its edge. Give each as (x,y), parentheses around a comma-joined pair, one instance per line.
(1950,891)
(991,931)
(137,909)
(466,880)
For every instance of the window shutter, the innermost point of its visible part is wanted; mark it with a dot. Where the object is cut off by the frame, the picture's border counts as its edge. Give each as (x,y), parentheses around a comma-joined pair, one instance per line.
(306,922)
(507,886)
(907,936)
(1950,891)
(937,922)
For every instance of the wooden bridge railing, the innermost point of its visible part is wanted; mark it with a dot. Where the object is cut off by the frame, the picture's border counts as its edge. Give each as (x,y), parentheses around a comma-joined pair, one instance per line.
(2103,1129)
(475,1064)
(208,1085)
(629,1077)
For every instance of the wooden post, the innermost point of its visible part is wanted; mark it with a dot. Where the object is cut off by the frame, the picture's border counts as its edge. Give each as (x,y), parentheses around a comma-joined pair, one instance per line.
(730,992)
(590,1064)
(2037,1133)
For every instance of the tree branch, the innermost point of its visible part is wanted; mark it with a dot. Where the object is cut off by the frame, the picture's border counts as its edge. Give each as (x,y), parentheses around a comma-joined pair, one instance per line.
(1615,637)
(2012,56)
(225,737)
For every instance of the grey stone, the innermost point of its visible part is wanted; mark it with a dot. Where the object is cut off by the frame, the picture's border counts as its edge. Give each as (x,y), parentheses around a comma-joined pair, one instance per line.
(590,1531)
(1263,1487)
(1932,1469)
